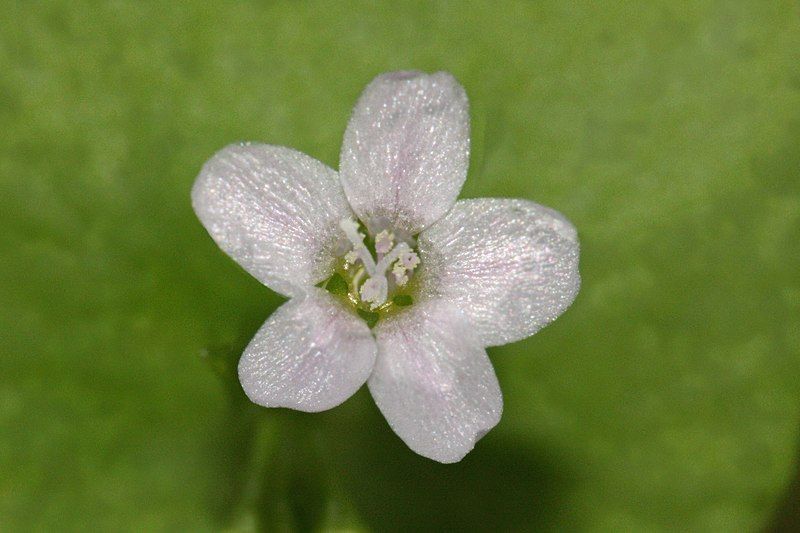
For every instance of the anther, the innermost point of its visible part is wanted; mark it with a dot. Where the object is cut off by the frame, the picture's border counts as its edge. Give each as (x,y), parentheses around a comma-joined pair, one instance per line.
(350,228)
(350,258)
(374,291)
(384,242)
(409,260)
(400,275)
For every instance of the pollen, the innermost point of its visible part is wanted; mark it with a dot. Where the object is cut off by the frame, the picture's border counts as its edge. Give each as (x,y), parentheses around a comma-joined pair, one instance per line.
(384,242)
(374,291)
(350,258)
(409,260)
(400,274)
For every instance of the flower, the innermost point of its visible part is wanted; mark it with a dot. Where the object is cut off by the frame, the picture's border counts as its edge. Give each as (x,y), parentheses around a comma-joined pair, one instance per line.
(418,284)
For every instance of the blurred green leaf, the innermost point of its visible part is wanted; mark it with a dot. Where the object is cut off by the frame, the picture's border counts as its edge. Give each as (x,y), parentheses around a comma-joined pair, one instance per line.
(403,300)
(369,317)
(337,285)
(666,397)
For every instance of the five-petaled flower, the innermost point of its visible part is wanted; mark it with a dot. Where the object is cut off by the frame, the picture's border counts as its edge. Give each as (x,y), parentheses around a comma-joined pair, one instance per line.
(391,281)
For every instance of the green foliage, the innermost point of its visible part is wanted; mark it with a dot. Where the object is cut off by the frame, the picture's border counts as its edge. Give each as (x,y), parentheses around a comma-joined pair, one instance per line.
(403,300)
(337,285)
(369,317)
(665,398)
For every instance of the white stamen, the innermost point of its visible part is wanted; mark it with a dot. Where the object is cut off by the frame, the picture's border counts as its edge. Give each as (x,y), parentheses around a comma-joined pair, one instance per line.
(358,277)
(350,228)
(374,291)
(391,257)
(400,275)
(401,258)
(409,260)
(350,258)
(383,242)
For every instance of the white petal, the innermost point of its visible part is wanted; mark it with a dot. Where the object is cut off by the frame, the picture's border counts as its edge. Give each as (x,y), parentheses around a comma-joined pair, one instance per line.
(310,355)
(406,149)
(274,210)
(510,265)
(434,382)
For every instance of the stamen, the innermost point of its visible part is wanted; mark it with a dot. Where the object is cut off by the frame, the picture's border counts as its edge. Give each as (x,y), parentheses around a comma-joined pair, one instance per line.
(374,291)
(358,277)
(350,228)
(350,258)
(400,258)
(384,242)
(391,257)
(400,276)
(409,260)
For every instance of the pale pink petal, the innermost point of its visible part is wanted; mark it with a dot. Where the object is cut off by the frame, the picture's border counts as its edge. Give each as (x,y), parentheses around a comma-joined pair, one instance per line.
(406,149)
(312,354)
(510,265)
(274,210)
(434,382)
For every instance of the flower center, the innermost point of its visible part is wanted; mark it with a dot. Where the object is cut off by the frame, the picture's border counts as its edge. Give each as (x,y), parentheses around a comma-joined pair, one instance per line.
(378,269)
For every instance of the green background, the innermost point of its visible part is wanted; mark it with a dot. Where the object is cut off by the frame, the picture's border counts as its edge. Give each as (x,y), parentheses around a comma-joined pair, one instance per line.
(665,398)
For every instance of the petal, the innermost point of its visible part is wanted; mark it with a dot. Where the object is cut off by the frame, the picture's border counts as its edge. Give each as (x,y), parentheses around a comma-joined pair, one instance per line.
(310,355)
(434,382)
(406,149)
(510,265)
(274,210)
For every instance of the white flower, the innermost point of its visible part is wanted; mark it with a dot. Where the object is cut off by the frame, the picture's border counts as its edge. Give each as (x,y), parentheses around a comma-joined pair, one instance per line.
(464,274)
